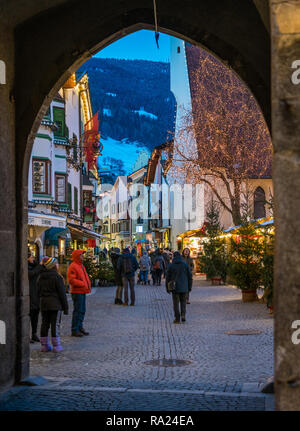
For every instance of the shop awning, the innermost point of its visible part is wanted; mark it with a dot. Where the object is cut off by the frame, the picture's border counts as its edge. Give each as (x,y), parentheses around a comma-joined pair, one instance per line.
(46,220)
(53,234)
(83,233)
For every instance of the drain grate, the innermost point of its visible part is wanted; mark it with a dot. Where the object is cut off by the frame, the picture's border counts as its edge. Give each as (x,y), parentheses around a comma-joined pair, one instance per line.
(168,363)
(244,332)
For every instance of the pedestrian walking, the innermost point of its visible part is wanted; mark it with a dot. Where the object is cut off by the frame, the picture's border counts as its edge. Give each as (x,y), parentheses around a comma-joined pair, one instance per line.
(127,266)
(189,261)
(158,267)
(167,255)
(145,264)
(179,274)
(80,285)
(34,270)
(114,255)
(52,293)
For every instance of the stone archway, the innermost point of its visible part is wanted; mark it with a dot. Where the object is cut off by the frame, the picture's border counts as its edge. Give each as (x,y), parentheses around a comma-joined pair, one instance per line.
(42,43)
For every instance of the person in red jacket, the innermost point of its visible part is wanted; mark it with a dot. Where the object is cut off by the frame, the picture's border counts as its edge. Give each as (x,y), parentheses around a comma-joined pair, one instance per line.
(80,285)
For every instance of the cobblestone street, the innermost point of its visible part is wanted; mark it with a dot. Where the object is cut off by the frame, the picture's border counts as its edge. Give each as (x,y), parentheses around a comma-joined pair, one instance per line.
(110,370)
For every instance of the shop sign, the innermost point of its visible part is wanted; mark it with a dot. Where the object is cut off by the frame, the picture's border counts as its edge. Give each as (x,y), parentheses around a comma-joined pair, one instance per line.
(39,220)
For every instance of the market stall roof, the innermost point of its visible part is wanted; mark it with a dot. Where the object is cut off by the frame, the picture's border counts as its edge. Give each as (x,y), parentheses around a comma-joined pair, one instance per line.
(83,232)
(267,223)
(53,234)
(195,232)
(258,222)
(230,229)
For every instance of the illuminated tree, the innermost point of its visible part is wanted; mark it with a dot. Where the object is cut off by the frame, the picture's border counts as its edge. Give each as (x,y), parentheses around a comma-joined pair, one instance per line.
(223,140)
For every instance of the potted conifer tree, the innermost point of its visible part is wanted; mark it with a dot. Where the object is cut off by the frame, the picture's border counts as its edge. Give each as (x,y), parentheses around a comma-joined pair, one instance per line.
(245,262)
(214,259)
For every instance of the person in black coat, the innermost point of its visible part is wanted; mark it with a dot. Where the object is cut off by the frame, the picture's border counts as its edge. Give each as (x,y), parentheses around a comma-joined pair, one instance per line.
(189,261)
(53,299)
(114,256)
(126,267)
(179,272)
(34,270)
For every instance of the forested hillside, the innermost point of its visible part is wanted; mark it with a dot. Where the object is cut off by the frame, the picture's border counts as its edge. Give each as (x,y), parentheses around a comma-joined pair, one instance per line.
(133,98)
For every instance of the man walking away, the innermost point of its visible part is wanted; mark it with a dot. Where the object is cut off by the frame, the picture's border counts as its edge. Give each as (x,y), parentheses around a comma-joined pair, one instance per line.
(189,261)
(114,256)
(158,267)
(127,265)
(145,264)
(34,270)
(179,272)
(80,285)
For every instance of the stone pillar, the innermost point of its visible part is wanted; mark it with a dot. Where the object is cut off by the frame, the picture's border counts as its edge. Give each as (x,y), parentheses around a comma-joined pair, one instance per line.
(8,248)
(285,27)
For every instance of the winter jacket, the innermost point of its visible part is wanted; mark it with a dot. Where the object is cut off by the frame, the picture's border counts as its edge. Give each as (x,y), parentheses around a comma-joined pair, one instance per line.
(77,276)
(180,272)
(52,291)
(33,272)
(120,265)
(145,263)
(114,260)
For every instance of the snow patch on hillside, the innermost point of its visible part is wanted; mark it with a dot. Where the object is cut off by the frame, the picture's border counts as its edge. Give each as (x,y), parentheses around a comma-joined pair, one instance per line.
(107,112)
(124,150)
(146,114)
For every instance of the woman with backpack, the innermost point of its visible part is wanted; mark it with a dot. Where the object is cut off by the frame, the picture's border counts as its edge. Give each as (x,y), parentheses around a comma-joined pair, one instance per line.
(158,268)
(53,299)
(145,264)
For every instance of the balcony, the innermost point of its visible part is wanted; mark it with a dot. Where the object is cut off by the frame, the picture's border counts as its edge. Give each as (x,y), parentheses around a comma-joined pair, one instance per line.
(49,123)
(60,140)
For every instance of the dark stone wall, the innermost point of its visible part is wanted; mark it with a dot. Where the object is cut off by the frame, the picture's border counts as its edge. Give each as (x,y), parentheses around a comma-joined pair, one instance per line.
(8,250)
(285,19)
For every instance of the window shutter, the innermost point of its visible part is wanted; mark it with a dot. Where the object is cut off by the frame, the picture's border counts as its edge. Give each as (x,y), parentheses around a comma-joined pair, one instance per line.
(70,195)
(59,119)
(75,200)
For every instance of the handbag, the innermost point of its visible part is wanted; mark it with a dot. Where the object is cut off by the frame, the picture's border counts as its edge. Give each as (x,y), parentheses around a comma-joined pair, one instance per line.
(171,287)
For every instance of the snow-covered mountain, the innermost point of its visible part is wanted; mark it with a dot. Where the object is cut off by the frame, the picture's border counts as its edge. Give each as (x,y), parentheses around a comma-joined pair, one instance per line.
(136,108)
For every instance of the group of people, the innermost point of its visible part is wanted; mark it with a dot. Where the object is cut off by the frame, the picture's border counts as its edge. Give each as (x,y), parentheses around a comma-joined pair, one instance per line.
(48,290)
(48,296)
(175,267)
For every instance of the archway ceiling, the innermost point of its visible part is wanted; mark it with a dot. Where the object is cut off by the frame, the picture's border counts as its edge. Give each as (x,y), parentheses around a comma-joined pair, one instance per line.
(59,35)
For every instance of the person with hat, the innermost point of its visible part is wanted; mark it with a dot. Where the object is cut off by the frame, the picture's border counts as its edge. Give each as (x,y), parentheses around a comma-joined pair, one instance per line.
(80,285)
(53,299)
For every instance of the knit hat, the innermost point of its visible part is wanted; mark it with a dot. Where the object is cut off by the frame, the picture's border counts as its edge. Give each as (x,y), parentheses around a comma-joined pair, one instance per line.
(49,262)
